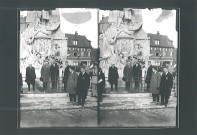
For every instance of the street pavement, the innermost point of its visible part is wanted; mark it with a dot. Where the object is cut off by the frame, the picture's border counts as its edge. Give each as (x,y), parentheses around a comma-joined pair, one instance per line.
(51,101)
(116,110)
(140,118)
(133,101)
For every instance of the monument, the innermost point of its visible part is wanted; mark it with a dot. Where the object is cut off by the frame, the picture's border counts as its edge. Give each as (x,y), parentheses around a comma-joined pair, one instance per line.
(124,40)
(42,40)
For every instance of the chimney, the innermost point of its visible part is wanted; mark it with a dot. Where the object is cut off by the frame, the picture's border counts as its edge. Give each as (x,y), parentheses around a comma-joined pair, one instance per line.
(158,33)
(76,33)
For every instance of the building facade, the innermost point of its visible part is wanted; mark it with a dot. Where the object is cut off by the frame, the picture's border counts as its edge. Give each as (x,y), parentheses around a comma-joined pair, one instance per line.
(79,49)
(161,49)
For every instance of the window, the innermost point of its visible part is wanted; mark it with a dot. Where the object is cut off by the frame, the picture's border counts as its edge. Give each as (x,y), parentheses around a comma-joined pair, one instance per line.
(157,54)
(74,42)
(82,53)
(164,53)
(75,63)
(88,54)
(157,63)
(156,42)
(171,54)
(75,54)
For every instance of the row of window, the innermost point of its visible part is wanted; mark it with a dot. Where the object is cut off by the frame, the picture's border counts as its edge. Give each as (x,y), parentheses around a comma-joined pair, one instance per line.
(162,55)
(75,42)
(82,49)
(161,49)
(157,42)
(75,54)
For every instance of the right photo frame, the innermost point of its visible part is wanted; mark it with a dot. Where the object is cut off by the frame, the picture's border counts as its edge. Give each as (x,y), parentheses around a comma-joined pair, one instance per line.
(138,58)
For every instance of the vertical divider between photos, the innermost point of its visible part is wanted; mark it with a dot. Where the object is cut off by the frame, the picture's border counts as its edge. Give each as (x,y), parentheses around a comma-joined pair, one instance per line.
(98,99)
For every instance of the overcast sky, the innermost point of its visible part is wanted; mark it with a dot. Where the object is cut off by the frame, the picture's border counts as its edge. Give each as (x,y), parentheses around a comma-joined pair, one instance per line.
(153,21)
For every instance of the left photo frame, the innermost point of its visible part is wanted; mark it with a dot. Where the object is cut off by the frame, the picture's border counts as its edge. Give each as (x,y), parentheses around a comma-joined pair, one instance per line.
(56,47)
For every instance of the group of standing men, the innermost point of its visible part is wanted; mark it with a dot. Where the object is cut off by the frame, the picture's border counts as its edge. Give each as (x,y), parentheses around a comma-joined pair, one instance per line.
(161,85)
(130,74)
(49,73)
(77,85)
(156,84)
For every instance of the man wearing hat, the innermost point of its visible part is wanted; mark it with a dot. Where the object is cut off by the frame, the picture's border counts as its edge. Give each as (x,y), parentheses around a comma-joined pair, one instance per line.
(113,76)
(166,86)
(30,76)
(127,72)
(66,73)
(137,73)
(83,84)
(45,74)
(54,69)
(155,84)
(149,74)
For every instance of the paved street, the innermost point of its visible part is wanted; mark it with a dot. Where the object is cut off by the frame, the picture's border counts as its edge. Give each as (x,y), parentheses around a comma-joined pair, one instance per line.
(54,110)
(116,110)
(136,110)
(165,117)
(79,117)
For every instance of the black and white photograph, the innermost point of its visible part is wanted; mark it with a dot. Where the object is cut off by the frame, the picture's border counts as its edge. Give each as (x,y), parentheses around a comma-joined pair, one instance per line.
(91,67)
(58,52)
(138,56)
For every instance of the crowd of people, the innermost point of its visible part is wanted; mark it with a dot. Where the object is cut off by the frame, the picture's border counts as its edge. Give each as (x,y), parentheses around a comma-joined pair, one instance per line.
(78,81)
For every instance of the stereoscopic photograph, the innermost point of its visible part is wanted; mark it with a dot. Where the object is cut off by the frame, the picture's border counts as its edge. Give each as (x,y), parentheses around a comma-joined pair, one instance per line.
(103,68)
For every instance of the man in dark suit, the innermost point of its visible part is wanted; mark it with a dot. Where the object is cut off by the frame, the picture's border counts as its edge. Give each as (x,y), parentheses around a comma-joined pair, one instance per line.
(148,76)
(137,73)
(127,72)
(66,73)
(101,84)
(30,76)
(113,77)
(54,75)
(166,86)
(83,84)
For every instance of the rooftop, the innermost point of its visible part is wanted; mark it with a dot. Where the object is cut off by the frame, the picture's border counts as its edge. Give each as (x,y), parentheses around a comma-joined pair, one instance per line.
(82,41)
(164,41)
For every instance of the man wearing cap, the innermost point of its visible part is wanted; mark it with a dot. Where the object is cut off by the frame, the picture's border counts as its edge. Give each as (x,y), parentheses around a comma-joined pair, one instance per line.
(166,86)
(113,77)
(127,72)
(30,76)
(83,84)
